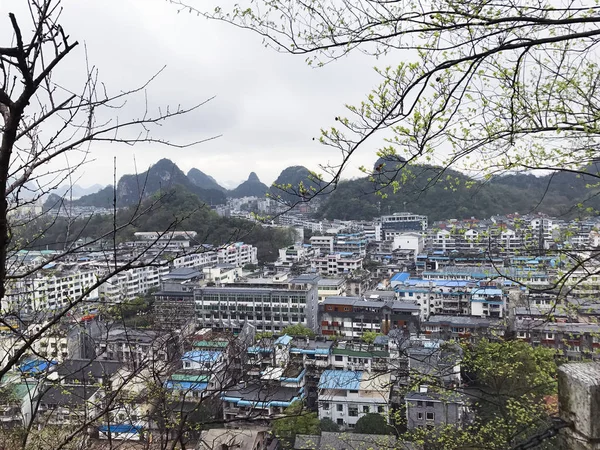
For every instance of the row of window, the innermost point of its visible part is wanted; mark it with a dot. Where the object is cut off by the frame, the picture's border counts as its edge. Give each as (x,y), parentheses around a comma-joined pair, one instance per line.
(353,409)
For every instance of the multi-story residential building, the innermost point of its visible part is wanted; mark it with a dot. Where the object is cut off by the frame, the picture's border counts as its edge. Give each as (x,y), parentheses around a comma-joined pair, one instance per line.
(137,348)
(322,245)
(462,327)
(434,296)
(576,341)
(199,258)
(280,382)
(355,243)
(488,302)
(443,241)
(174,305)
(51,288)
(400,222)
(163,241)
(222,273)
(350,317)
(292,255)
(337,263)
(427,408)
(346,396)
(267,308)
(359,356)
(131,283)
(238,254)
(329,287)
(433,359)
(66,405)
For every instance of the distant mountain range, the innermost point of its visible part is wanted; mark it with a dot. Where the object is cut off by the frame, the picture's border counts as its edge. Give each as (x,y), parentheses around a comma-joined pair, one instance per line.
(443,194)
(165,175)
(77,191)
(438,193)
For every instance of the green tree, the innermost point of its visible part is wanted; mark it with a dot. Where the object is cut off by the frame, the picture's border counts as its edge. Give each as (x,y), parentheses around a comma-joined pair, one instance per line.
(326,424)
(369,336)
(298,331)
(297,421)
(372,423)
(511,381)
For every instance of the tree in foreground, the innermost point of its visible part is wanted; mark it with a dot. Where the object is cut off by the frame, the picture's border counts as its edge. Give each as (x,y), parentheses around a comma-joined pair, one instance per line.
(511,386)
(48,130)
(484,86)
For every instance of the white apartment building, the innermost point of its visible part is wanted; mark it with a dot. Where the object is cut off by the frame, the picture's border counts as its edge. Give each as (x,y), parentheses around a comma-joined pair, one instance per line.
(52,288)
(329,287)
(346,396)
(199,259)
(172,240)
(488,302)
(238,254)
(322,244)
(222,274)
(131,283)
(408,241)
(443,241)
(336,264)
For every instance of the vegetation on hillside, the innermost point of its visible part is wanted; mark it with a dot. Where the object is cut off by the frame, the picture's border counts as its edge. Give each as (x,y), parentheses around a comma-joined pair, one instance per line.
(176,208)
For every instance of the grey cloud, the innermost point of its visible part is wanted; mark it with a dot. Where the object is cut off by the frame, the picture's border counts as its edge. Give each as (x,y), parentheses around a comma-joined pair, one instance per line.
(268,106)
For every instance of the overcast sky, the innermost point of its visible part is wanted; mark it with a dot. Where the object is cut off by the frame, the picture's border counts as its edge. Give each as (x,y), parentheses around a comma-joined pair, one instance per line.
(267,107)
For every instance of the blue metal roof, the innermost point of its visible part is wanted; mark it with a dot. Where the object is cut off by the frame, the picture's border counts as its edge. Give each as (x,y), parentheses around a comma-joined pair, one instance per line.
(202,356)
(311,351)
(119,428)
(401,277)
(36,366)
(486,291)
(258,349)
(283,340)
(185,386)
(340,379)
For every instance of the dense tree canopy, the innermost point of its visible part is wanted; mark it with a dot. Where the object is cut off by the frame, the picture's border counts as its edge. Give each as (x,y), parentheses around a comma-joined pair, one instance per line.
(297,421)
(372,423)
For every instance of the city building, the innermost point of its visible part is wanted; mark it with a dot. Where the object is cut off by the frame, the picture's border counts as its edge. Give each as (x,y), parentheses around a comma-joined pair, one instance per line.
(350,317)
(270,308)
(346,396)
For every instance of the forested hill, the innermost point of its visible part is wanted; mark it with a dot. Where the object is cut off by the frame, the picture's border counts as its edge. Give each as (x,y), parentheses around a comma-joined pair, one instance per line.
(252,187)
(444,194)
(203,180)
(291,177)
(175,206)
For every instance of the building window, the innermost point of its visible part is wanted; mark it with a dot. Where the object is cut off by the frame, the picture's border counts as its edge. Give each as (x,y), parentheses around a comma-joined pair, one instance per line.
(420,404)
(325,405)
(339,358)
(380,409)
(340,421)
(429,404)
(430,416)
(352,391)
(366,409)
(420,416)
(340,408)
(353,411)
